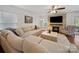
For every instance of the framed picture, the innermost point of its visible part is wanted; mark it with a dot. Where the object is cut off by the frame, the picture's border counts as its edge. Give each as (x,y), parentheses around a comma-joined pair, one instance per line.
(28,19)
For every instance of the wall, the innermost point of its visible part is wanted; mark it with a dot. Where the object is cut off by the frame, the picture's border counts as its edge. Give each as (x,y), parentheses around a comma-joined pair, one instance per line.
(20,13)
(68,18)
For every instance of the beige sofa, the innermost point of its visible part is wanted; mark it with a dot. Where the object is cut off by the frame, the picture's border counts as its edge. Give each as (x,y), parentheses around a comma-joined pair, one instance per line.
(61,38)
(12,43)
(28,30)
(31,44)
(29,41)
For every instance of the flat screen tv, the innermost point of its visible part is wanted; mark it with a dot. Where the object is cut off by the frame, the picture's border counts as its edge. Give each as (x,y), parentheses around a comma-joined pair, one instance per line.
(56,19)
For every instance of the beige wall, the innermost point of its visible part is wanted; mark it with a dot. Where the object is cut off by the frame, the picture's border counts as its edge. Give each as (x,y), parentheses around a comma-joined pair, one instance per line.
(20,13)
(68,18)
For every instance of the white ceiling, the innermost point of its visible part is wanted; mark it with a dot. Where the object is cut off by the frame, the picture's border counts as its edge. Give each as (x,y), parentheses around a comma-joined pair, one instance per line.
(34,8)
(43,9)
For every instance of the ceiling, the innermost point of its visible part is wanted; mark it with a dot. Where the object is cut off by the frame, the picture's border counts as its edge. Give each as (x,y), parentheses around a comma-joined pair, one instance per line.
(44,8)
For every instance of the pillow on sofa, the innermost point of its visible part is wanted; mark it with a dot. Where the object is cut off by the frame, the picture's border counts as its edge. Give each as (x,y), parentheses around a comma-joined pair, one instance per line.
(13,30)
(34,39)
(26,29)
(30,47)
(19,31)
(54,47)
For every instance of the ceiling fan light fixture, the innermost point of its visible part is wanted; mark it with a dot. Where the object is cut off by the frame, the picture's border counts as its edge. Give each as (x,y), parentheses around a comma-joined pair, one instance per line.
(54,11)
(55,8)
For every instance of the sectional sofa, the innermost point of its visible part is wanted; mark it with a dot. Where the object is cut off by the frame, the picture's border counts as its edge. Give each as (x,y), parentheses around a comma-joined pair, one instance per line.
(28,40)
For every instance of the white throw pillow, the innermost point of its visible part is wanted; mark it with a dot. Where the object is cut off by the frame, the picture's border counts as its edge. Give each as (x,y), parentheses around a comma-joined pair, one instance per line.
(19,31)
(26,29)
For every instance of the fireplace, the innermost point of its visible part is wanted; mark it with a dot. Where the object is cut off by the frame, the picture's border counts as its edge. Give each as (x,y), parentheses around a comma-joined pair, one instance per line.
(55,29)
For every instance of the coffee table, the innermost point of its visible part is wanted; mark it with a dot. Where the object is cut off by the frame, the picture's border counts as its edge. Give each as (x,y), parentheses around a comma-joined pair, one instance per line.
(49,36)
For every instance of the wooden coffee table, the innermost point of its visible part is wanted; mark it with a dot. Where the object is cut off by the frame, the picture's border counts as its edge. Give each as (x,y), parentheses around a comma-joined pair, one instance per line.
(49,36)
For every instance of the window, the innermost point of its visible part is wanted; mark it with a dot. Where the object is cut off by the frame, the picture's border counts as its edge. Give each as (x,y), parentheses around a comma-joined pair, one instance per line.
(44,22)
(7,20)
(76,21)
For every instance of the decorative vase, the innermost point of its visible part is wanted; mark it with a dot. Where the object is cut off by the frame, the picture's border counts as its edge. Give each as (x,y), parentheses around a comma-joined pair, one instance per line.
(49,31)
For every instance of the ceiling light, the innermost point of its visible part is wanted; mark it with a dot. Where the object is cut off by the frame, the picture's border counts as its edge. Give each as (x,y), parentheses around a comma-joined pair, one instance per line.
(54,11)
(55,8)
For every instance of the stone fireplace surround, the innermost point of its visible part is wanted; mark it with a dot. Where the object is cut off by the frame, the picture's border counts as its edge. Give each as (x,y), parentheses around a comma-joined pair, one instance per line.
(56,27)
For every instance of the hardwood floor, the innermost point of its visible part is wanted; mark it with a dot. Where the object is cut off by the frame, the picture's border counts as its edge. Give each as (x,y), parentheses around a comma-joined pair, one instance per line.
(71,39)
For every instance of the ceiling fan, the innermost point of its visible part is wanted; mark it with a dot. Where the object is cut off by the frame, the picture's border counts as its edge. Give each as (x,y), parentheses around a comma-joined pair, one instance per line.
(55,8)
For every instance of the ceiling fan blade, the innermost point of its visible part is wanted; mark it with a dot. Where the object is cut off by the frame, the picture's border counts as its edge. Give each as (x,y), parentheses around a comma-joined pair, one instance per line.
(60,8)
(54,9)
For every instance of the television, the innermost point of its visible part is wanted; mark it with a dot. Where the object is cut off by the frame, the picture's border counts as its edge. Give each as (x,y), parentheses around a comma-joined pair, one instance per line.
(56,19)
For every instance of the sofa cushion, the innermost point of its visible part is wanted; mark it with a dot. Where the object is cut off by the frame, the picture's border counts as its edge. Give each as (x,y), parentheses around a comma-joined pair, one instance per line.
(7,47)
(31,47)
(28,27)
(54,47)
(37,32)
(15,41)
(34,32)
(4,33)
(24,35)
(34,39)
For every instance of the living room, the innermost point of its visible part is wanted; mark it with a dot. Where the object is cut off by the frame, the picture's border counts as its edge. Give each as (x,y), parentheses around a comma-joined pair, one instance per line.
(48,27)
